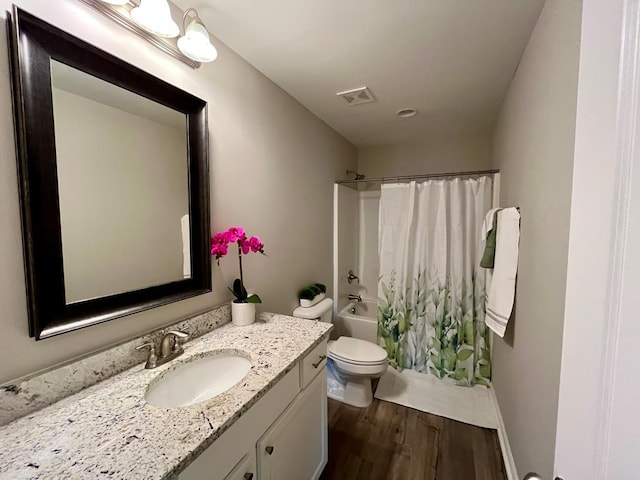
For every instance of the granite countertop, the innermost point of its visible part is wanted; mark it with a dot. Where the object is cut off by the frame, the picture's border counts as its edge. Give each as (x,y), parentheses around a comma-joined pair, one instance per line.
(109,431)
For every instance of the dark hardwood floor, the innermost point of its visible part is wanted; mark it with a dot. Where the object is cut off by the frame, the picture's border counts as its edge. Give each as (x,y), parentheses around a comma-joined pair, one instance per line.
(391,442)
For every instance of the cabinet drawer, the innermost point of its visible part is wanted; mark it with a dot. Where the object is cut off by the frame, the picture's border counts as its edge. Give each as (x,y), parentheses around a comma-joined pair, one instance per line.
(246,469)
(313,363)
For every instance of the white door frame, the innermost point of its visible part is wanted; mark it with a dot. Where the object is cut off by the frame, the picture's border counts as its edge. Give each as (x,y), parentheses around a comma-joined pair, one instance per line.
(598,432)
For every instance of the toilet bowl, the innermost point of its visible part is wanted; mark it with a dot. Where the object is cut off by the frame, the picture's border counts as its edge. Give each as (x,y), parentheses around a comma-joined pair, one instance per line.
(352,362)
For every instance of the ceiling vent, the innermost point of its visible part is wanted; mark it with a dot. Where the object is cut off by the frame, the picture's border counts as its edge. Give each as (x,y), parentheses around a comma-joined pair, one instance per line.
(357,96)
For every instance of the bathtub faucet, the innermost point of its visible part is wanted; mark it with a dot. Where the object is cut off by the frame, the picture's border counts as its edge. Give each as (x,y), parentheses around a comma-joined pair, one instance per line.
(357,298)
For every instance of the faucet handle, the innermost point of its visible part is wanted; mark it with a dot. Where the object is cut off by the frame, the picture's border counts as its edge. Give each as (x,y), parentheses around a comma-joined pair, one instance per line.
(152,359)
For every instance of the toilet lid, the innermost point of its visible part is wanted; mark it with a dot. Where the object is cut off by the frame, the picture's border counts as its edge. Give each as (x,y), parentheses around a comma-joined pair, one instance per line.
(354,350)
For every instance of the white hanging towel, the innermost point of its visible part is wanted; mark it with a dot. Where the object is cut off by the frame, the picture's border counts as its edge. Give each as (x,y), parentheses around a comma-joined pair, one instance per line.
(503,283)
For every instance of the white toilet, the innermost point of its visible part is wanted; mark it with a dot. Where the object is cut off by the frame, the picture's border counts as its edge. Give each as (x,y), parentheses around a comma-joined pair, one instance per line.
(352,362)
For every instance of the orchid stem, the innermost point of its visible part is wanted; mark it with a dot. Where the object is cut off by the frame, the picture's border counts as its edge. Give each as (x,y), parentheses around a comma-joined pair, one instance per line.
(240,260)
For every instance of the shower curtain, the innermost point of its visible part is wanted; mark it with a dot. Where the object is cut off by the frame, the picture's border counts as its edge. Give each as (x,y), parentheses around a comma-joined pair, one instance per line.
(431,289)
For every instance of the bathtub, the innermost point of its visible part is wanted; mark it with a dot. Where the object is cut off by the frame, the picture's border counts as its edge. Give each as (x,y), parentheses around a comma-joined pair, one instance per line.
(363,323)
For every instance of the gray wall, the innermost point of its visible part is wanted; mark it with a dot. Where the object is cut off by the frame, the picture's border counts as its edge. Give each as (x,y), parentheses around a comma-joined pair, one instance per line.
(533,147)
(272,162)
(456,153)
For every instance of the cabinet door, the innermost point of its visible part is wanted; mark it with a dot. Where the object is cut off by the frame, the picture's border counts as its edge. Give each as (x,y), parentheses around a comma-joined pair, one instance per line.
(245,470)
(295,447)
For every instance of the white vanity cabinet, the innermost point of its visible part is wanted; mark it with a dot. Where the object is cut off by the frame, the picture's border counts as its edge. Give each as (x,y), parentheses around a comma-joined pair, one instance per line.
(291,418)
(295,446)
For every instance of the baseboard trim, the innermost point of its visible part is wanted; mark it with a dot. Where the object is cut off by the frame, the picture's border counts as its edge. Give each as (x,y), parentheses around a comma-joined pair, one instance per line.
(507,456)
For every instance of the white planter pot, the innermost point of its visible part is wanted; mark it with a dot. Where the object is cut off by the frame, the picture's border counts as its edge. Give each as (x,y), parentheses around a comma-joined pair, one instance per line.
(310,303)
(243,313)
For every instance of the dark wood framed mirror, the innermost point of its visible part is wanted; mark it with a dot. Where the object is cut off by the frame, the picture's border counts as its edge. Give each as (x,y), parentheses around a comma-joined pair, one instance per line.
(114,182)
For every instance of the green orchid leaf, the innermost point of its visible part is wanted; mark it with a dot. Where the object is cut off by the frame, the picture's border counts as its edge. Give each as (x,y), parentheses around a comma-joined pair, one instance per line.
(254,299)
(238,290)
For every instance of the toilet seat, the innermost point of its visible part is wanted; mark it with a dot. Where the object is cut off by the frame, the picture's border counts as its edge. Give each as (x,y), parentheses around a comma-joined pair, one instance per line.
(358,357)
(357,351)
(353,362)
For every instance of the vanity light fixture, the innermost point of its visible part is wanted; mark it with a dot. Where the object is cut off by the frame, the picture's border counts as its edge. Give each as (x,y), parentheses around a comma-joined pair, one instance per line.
(155,17)
(195,42)
(154,21)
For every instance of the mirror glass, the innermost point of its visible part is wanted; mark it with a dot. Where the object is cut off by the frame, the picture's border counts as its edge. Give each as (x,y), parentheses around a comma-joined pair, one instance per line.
(122,167)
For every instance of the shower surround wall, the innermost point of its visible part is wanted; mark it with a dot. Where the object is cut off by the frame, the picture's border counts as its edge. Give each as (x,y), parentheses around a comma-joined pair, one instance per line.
(356,240)
(345,241)
(368,260)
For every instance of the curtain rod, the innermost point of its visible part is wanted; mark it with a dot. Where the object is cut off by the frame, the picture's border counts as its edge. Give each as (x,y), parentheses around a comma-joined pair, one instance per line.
(426,175)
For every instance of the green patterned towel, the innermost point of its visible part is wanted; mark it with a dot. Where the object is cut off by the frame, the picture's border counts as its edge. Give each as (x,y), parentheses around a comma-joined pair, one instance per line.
(489,255)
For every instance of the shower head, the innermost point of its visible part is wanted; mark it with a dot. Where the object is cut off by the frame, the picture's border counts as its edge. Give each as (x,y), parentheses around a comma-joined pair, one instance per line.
(359,176)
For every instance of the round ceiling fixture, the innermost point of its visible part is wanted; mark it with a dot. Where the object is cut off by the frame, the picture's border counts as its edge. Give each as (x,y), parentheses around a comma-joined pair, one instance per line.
(407,112)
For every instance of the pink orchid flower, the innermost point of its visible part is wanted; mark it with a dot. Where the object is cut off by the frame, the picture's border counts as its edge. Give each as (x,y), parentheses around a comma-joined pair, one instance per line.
(244,246)
(255,244)
(219,250)
(234,234)
(219,239)
(220,247)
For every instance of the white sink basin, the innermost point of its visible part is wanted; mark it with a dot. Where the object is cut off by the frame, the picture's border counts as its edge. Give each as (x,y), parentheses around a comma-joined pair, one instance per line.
(198,380)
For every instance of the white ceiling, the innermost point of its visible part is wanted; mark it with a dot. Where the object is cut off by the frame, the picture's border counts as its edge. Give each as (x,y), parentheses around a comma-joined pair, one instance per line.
(451,59)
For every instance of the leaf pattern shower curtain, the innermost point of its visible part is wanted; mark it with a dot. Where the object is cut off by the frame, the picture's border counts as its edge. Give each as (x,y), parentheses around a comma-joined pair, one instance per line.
(431,289)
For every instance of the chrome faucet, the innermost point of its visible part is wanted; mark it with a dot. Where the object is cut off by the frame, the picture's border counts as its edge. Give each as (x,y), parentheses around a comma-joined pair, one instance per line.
(170,348)
(357,298)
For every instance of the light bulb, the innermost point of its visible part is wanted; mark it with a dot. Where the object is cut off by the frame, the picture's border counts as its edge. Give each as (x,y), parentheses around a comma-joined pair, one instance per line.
(155,17)
(195,43)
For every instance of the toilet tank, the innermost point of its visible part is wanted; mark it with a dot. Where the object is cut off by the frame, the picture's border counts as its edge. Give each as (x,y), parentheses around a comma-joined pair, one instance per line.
(322,311)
